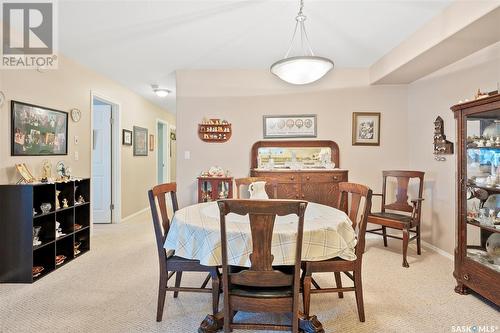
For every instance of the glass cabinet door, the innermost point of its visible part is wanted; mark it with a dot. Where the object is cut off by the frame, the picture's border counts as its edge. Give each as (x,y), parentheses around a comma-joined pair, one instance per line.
(483,188)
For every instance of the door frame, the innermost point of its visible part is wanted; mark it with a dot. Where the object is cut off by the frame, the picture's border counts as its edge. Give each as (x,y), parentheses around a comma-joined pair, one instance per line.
(167,143)
(115,154)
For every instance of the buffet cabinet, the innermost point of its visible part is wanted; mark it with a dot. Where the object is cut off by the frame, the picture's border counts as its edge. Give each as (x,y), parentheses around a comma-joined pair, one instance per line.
(306,170)
(36,241)
(314,186)
(477,251)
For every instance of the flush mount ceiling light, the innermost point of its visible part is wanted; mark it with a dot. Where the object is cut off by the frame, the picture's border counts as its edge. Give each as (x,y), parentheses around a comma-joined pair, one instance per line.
(160,92)
(303,69)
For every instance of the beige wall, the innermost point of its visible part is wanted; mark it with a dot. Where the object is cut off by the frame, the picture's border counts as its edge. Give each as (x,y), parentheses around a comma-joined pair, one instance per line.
(408,112)
(70,87)
(243,96)
(431,97)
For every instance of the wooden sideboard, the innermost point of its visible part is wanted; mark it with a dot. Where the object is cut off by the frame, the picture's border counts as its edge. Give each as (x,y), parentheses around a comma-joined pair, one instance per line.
(315,185)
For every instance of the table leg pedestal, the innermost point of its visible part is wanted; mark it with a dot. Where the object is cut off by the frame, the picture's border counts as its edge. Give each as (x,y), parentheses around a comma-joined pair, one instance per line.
(310,325)
(214,323)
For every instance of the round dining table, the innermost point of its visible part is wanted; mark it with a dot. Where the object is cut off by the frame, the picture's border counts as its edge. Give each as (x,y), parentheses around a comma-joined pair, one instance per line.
(194,233)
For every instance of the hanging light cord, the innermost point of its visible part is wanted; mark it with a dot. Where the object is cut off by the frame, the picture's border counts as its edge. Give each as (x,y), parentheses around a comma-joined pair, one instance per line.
(300,22)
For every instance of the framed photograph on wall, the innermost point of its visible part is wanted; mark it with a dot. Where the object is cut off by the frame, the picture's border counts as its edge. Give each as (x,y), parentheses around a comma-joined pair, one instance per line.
(151,142)
(366,128)
(37,130)
(126,137)
(290,126)
(140,141)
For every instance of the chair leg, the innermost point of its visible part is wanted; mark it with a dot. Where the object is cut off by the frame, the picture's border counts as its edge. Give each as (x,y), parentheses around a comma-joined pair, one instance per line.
(359,295)
(215,291)
(228,318)
(162,292)
(338,281)
(419,251)
(295,320)
(384,235)
(406,236)
(306,295)
(178,277)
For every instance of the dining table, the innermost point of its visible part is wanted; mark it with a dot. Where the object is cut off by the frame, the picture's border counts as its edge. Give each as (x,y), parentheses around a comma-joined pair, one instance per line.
(194,233)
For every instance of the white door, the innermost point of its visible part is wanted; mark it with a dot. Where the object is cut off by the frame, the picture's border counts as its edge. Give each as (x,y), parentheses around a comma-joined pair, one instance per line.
(163,154)
(173,153)
(101,162)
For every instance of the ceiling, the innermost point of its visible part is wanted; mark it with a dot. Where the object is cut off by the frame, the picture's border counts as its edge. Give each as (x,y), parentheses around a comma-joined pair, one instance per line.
(139,43)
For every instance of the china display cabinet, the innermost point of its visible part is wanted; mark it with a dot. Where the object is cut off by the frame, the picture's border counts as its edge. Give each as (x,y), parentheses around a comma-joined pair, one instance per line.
(42,227)
(214,188)
(307,170)
(477,252)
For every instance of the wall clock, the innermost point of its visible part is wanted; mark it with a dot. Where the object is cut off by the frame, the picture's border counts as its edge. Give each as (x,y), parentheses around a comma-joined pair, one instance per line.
(76,115)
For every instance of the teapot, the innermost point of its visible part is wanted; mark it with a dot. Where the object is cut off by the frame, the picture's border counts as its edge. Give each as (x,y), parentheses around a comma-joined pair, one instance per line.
(258,190)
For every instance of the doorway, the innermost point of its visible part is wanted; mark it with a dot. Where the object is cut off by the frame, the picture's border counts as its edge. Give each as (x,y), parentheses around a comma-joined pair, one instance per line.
(105,160)
(163,152)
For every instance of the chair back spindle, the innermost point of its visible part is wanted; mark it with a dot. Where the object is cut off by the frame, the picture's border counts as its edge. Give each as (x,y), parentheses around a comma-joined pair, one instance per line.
(262,214)
(403,179)
(161,222)
(360,202)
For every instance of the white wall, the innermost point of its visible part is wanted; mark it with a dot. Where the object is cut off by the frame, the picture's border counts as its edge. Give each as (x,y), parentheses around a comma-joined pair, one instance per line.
(428,98)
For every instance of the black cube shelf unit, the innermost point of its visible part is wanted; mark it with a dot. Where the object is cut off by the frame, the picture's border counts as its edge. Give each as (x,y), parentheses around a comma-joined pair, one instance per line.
(18,256)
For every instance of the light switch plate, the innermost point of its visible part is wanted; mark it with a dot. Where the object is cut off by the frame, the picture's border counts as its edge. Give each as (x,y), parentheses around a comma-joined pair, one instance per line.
(187,155)
(77,156)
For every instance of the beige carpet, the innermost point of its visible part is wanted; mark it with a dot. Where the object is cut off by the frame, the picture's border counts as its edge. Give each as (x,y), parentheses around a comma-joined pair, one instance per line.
(113,289)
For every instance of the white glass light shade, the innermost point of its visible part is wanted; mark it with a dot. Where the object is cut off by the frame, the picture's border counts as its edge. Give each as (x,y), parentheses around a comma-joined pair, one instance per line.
(301,70)
(161,92)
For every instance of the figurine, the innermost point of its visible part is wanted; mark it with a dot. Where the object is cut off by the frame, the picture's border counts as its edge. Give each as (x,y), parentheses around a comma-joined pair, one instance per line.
(80,200)
(65,203)
(58,204)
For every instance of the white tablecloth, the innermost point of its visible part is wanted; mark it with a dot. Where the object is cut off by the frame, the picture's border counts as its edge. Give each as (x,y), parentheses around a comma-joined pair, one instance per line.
(195,234)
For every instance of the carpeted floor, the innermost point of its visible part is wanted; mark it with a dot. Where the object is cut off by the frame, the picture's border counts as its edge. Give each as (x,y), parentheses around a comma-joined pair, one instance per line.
(113,288)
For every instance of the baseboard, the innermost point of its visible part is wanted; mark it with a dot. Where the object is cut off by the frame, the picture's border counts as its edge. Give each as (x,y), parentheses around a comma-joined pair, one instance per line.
(131,216)
(425,244)
(437,250)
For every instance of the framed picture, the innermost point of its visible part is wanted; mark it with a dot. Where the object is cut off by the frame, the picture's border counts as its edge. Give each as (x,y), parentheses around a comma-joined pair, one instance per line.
(140,141)
(290,126)
(37,130)
(366,128)
(126,137)
(151,142)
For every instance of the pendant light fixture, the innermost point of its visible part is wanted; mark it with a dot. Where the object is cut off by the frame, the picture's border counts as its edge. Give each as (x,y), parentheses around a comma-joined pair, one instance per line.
(303,69)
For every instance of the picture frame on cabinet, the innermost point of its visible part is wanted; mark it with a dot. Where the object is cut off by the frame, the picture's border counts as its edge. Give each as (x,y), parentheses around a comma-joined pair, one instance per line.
(366,128)
(126,137)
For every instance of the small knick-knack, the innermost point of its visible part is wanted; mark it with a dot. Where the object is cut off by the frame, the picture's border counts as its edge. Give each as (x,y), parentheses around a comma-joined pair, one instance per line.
(65,203)
(58,204)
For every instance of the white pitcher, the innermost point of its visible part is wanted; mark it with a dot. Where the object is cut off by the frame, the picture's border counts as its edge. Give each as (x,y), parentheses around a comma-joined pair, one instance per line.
(258,190)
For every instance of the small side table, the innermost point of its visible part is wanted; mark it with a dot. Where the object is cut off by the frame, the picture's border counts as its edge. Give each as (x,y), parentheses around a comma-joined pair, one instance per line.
(214,188)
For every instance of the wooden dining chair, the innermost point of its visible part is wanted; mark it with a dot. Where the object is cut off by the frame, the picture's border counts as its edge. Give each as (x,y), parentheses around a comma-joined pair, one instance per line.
(401,215)
(262,287)
(271,185)
(171,264)
(360,202)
